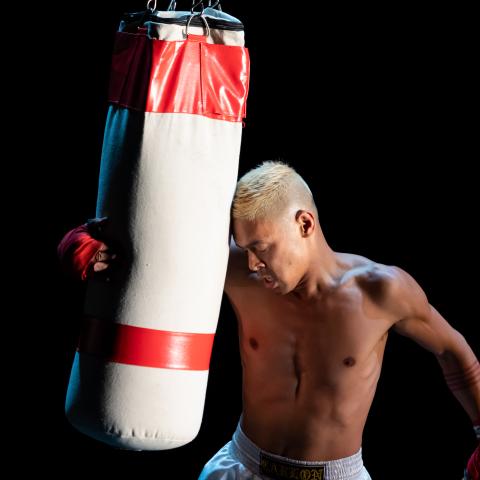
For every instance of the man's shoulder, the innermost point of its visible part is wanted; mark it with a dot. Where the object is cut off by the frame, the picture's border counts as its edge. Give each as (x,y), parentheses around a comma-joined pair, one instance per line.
(375,278)
(365,269)
(388,286)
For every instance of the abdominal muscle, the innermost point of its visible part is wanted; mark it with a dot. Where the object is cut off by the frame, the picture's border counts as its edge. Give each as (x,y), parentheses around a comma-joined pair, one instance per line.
(317,423)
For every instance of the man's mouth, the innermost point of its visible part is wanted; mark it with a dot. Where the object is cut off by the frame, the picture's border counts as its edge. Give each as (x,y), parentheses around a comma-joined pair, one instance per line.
(269,282)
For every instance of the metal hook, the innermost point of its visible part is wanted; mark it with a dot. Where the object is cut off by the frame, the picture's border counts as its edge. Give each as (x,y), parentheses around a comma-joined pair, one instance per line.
(195,5)
(172,6)
(154,5)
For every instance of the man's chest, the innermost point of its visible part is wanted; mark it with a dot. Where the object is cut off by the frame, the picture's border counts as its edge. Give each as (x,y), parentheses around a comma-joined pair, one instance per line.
(343,334)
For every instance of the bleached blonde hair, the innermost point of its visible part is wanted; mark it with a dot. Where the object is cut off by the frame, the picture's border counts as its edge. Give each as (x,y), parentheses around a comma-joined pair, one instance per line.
(265,191)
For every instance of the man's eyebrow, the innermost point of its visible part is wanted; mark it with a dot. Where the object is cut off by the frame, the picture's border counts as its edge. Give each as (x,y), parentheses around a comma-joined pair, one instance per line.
(249,245)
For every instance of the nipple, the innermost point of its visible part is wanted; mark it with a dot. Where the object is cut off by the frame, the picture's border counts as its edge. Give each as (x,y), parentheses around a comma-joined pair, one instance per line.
(349,361)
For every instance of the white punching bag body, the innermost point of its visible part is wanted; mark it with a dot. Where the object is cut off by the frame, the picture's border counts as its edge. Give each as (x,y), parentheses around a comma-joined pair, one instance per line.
(168,173)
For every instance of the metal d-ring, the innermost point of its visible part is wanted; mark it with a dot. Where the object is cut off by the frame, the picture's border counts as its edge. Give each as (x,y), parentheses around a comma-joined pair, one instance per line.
(204,21)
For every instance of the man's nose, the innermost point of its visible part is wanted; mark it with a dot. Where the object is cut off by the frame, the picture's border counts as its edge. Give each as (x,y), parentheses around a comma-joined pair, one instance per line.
(253,261)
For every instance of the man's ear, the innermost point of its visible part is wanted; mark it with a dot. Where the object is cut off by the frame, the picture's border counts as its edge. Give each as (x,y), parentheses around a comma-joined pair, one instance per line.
(304,220)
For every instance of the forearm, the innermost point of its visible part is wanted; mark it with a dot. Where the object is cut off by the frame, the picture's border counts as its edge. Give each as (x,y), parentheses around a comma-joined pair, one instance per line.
(461,371)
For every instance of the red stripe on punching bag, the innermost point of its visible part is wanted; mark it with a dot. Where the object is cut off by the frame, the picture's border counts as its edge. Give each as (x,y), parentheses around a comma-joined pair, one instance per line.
(145,347)
(189,76)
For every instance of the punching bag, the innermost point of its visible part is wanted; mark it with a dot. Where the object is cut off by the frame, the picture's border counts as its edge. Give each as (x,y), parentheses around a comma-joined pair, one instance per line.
(168,172)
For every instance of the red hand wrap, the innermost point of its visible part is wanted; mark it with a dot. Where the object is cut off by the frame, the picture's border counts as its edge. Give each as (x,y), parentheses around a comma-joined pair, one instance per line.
(473,465)
(76,250)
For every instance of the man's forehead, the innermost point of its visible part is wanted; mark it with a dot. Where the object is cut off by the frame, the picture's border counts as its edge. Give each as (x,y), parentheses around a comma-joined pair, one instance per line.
(244,240)
(246,234)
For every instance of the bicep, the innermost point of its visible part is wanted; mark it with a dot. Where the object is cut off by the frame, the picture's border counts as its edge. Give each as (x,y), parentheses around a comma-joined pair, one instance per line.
(417,319)
(431,331)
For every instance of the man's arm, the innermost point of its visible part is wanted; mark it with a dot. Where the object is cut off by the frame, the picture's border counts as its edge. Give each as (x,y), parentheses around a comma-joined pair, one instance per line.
(421,322)
(237,269)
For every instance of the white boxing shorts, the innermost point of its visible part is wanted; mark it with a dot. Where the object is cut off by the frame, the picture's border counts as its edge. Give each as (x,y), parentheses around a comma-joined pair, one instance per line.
(241,459)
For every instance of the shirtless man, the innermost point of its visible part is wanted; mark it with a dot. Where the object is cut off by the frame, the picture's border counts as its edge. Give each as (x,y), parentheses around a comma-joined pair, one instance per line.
(313,324)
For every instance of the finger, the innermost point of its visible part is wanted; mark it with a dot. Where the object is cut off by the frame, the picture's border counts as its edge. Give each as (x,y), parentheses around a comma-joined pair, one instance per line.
(99,266)
(103,247)
(103,255)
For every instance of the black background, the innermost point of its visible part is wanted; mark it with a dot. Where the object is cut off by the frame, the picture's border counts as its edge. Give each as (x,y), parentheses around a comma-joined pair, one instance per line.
(377,109)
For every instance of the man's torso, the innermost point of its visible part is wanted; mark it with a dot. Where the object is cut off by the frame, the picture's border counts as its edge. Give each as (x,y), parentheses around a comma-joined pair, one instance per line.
(310,371)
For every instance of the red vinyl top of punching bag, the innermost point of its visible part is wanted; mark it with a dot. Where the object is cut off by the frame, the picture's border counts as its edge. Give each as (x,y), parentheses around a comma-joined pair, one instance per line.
(190,76)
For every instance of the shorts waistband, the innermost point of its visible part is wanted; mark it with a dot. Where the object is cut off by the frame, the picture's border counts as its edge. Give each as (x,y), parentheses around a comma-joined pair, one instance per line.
(270,465)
